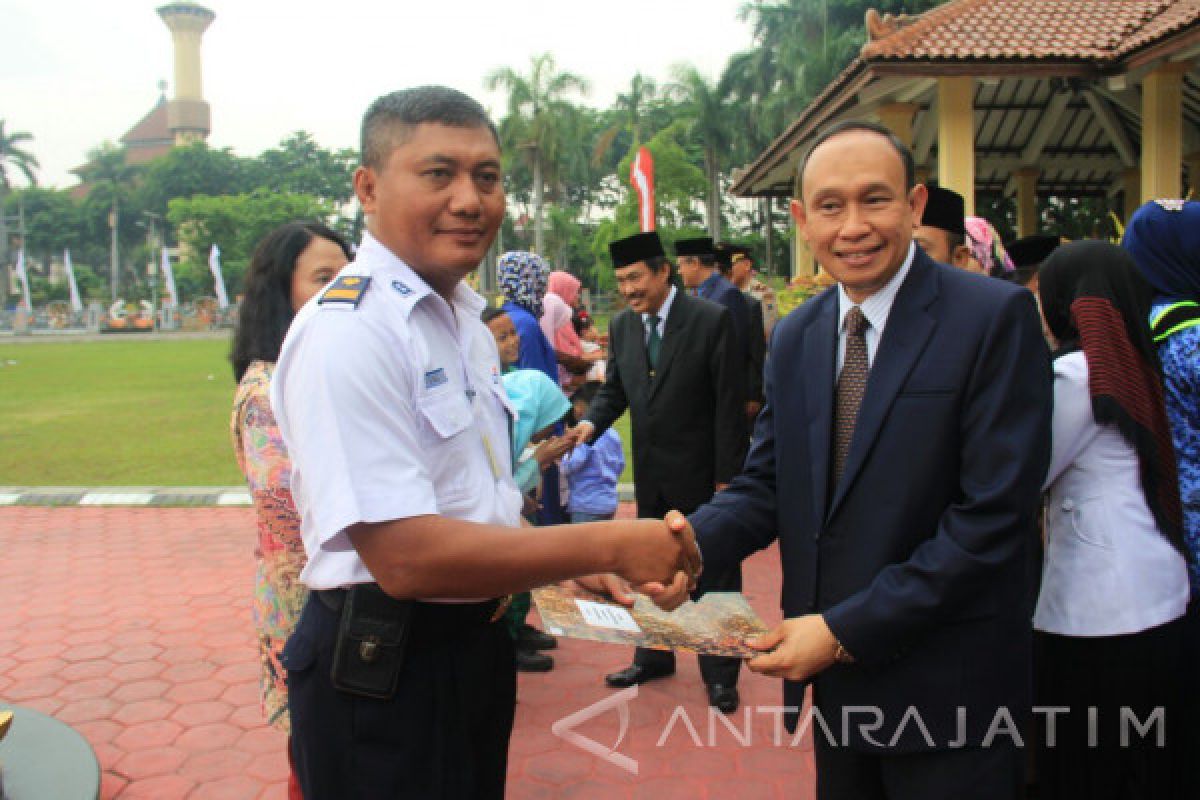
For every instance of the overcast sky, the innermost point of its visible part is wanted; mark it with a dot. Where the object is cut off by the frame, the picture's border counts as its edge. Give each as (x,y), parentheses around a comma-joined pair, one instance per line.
(76,73)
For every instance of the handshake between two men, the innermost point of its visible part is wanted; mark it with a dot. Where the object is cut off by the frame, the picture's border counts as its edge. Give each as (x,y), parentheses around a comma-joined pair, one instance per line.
(796,649)
(439,556)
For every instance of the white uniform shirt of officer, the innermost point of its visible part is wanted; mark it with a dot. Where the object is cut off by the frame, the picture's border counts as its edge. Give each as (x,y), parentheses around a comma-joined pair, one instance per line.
(390,409)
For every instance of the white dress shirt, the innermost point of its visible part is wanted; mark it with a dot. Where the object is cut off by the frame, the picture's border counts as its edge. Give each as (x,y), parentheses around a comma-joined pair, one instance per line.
(1108,570)
(662,312)
(875,308)
(390,410)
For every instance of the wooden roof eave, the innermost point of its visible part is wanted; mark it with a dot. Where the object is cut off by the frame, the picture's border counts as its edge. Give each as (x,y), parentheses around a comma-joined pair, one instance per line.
(1162,49)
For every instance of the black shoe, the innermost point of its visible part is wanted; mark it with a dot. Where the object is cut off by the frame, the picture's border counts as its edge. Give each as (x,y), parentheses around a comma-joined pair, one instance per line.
(636,674)
(531,638)
(723,698)
(533,661)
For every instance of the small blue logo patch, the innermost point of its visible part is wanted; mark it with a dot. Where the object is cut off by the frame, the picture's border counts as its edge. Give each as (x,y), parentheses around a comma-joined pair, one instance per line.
(402,288)
(435,378)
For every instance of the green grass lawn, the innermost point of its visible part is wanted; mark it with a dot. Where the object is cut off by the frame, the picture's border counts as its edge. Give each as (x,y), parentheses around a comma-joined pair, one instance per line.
(123,413)
(116,413)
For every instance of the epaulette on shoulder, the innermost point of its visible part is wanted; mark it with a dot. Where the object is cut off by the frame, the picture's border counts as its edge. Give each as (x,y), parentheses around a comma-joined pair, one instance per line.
(346,292)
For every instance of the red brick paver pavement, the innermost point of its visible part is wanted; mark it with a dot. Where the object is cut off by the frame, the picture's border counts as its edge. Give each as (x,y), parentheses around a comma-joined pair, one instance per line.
(133,626)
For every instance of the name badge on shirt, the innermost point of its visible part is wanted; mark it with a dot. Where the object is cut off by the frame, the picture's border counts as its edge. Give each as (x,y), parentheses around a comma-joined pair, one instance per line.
(435,378)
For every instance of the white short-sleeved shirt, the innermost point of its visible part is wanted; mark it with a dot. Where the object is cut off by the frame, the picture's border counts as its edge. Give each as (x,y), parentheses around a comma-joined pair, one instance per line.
(391,409)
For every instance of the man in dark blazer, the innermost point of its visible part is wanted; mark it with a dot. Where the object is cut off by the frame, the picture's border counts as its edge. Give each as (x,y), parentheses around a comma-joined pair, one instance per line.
(902,525)
(698,269)
(756,340)
(672,364)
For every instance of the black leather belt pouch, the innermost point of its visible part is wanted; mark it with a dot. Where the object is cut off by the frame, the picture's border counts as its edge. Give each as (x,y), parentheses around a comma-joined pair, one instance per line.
(369,651)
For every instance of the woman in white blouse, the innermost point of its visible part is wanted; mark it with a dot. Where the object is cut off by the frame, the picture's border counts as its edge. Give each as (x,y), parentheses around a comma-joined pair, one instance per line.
(1114,584)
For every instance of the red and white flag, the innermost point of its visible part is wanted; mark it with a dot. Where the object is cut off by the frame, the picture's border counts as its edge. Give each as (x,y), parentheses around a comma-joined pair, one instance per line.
(641,175)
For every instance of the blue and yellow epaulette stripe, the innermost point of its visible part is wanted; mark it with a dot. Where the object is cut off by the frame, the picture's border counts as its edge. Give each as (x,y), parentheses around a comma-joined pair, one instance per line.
(346,290)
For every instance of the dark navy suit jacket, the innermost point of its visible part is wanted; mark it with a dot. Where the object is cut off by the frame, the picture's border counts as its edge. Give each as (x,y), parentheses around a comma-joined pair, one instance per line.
(717,288)
(917,558)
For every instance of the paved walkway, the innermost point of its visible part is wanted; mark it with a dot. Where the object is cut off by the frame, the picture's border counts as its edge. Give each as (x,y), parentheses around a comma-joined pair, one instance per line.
(133,625)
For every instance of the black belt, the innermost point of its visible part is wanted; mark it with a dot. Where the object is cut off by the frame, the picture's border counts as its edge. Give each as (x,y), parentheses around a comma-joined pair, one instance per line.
(450,615)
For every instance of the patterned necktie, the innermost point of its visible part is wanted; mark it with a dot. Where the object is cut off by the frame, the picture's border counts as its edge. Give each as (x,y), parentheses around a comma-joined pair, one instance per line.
(653,341)
(851,385)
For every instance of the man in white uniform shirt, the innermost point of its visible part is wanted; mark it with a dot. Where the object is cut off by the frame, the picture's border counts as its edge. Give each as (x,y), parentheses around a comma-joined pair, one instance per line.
(388,396)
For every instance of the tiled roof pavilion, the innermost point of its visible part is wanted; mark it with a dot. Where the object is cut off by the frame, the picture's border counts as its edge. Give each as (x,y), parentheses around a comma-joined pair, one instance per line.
(1071,97)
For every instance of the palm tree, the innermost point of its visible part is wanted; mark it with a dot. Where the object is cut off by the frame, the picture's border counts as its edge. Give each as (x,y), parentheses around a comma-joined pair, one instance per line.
(711,125)
(12,154)
(536,102)
(631,109)
(108,174)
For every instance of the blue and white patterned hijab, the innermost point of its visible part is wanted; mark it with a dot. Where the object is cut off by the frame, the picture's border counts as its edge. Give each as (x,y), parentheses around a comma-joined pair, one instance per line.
(523,278)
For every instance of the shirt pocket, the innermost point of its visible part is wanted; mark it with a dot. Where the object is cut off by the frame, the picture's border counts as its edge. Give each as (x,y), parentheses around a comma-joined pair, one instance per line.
(449,443)
(1087,520)
(446,413)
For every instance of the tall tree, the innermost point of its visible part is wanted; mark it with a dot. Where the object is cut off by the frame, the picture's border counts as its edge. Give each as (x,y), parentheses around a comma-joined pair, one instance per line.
(191,170)
(536,103)
(631,112)
(111,178)
(705,105)
(301,166)
(12,155)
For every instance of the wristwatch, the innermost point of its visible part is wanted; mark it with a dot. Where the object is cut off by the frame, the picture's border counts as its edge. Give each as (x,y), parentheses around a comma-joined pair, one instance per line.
(841,655)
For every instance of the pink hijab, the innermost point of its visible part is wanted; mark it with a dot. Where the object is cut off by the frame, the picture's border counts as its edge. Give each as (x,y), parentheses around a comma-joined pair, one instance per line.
(562,293)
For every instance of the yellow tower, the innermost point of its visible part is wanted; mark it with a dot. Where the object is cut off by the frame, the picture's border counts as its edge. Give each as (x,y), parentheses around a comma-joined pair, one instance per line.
(187,113)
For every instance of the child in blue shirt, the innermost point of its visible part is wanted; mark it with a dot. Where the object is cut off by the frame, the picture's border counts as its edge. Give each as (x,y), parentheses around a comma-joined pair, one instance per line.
(592,470)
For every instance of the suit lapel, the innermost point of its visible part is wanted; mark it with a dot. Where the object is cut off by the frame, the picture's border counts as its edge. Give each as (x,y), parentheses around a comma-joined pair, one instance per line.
(909,326)
(820,347)
(673,333)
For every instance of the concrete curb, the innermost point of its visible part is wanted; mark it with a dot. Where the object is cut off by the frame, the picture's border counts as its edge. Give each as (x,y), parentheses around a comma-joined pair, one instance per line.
(200,496)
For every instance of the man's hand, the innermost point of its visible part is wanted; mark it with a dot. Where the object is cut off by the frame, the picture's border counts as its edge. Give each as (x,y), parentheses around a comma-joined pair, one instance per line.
(803,646)
(752,409)
(607,584)
(552,450)
(651,552)
(581,433)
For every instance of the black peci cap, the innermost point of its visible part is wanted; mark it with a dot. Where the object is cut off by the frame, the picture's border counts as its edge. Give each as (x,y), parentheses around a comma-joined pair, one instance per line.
(1031,250)
(632,249)
(945,209)
(699,246)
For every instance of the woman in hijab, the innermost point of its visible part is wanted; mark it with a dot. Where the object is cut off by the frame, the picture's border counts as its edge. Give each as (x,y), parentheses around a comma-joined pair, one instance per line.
(562,297)
(1164,239)
(539,406)
(1109,617)
(523,277)
(988,255)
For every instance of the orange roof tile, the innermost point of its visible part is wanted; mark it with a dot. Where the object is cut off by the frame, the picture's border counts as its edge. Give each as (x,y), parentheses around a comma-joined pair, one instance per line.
(1086,30)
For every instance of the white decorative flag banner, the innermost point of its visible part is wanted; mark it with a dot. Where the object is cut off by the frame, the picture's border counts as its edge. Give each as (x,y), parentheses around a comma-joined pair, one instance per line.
(214,266)
(170,298)
(76,303)
(23,278)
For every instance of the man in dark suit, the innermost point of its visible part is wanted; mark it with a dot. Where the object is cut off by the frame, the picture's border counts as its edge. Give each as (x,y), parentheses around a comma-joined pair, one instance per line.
(672,364)
(756,340)
(898,461)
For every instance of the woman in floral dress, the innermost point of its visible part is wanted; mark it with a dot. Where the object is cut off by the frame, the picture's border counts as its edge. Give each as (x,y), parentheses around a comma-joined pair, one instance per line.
(289,266)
